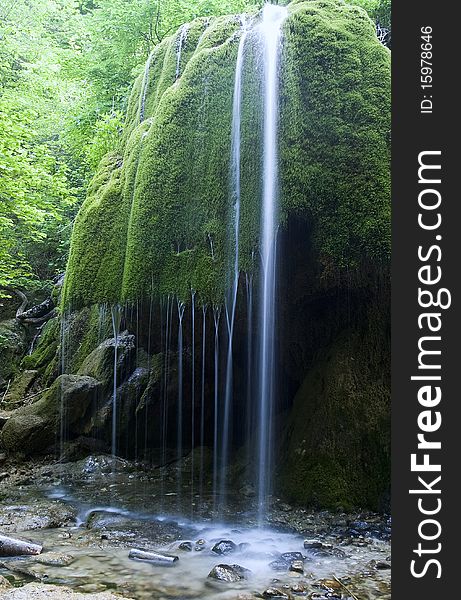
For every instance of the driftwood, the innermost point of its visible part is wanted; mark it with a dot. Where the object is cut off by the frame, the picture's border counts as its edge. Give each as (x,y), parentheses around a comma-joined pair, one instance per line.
(14,547)
(156,558)
(345,588)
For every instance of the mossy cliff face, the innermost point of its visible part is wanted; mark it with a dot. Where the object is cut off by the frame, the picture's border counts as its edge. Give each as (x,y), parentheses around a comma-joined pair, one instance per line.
(156,217)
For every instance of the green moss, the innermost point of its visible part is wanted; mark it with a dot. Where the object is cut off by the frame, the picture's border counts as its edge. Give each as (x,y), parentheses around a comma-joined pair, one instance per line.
(46,350)
(156,221)
(336,445)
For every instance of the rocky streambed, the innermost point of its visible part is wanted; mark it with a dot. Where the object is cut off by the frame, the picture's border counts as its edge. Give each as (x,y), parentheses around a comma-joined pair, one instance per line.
(111,530)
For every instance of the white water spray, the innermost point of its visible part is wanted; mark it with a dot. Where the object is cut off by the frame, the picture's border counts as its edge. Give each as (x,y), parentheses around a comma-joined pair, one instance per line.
(235,189)
(270,33)
(179,48)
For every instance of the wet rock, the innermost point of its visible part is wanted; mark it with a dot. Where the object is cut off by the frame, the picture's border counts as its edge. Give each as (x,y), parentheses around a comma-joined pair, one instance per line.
(276,593)
(289,557)
(312,544)
(329,585)
(21,386)
(12,348)
(100,363)
(224,547)
(32,428)
(40,515)
(37,591)
(297,566)
(185,546)
(4,584)
(55,559)
(15,547)
(229,573)
(279,565)
(298,590)
(379,565)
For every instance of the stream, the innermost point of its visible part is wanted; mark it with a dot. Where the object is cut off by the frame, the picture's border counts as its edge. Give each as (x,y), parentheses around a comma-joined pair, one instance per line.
(89,514)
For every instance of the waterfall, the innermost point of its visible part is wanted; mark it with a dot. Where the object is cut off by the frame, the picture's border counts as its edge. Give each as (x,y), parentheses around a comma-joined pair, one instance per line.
(179,48)
(216,318)
(144,87)
(192,393)
(270,34)
(202,399)
(235,225)
(116,318)
(181,307)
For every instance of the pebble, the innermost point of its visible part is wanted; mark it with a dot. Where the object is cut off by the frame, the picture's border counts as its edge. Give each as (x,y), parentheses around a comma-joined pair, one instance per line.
(224,547)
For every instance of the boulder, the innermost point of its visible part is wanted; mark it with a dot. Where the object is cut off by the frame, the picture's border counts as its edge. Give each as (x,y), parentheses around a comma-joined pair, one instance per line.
(229,573)
(12,348)
(99,364)
(34,428)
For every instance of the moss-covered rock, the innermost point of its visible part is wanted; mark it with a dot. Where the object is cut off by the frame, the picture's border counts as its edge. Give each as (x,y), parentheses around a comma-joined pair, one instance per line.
(155,220)
(12,348)
(336,445)
(34,428)
(100,362)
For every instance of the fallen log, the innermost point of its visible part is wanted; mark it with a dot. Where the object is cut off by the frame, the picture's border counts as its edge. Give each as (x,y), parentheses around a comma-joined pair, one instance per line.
(14,547)
(156,558)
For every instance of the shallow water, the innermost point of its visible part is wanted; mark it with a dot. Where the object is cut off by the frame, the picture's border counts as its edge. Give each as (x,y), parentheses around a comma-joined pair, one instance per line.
(112,513)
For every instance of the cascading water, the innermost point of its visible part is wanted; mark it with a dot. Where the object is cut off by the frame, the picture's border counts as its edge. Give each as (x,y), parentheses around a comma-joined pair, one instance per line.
(202,399)
(192,392)
(116,318)
(235,231)
(144,88)
(179,453)
(216,319)
(179,48)
(270,31)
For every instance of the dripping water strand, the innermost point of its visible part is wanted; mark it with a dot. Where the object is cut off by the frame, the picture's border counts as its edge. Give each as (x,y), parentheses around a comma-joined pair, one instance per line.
(179,48)
(216,319)
(192,395)
(202,400)
(179,453)
(235,225)
(270,32)
(116,317)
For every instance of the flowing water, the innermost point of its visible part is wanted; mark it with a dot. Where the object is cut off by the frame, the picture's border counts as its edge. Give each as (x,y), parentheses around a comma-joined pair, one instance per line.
(270,33)
(179,48)
(231,302)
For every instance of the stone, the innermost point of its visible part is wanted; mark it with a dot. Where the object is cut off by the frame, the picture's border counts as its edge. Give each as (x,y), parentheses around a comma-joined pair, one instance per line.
(297,566)
(224,547)
(21,386)
(38,591)
(292,556)
(312,544)
(229,573)
(33,428)
(55,559)
(4,584)
(279,565)
(185,546)
(276,593)
(99,364)
(12,348)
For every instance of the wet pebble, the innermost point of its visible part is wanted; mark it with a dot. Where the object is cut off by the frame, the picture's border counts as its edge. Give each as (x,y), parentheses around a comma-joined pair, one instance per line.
(297,566)
(224,547)
(276,593)
(185,546)
(229,573)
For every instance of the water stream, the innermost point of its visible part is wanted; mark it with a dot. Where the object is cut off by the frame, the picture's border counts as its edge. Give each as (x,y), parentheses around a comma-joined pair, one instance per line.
(270,31)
